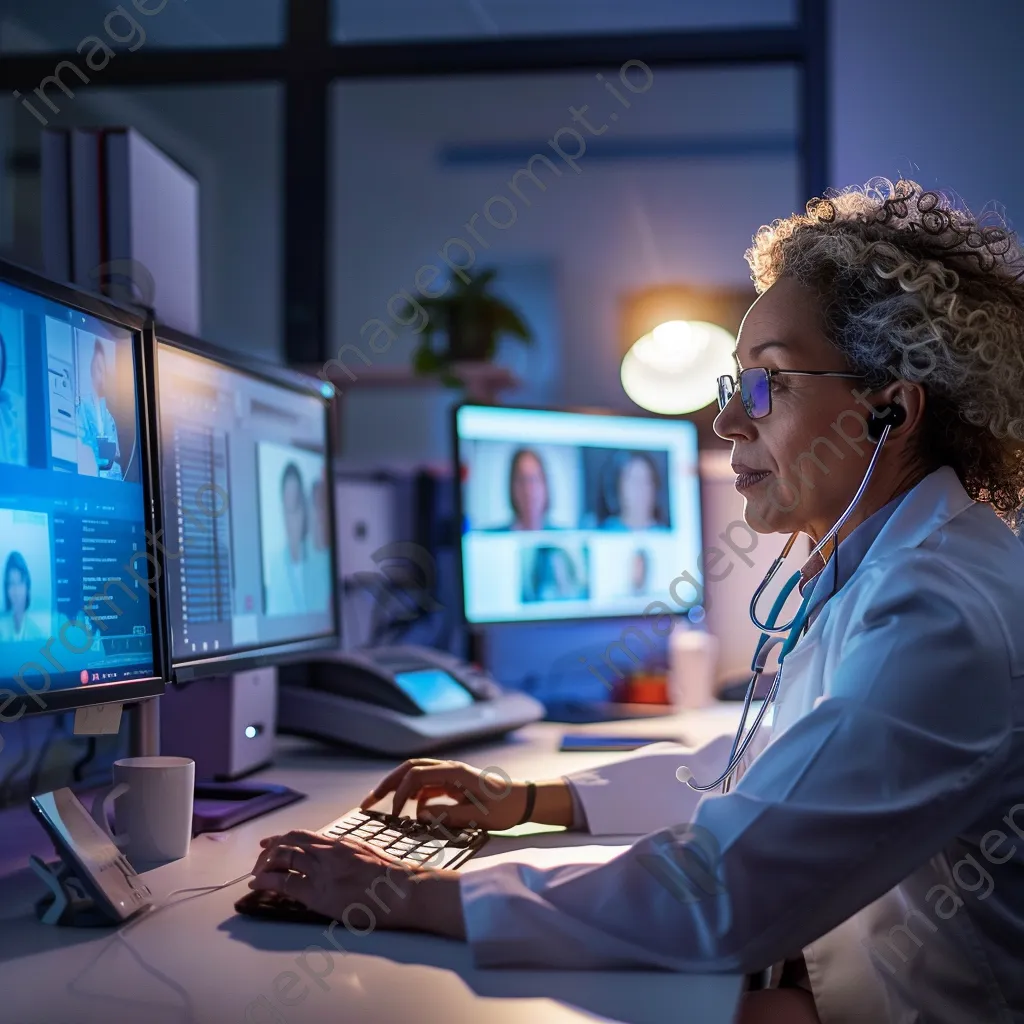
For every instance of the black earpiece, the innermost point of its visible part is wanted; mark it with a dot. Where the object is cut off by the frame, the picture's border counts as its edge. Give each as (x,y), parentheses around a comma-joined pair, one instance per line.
(894,416)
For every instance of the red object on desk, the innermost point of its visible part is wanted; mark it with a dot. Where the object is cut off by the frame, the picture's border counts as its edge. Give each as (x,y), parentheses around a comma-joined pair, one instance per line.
(644,688)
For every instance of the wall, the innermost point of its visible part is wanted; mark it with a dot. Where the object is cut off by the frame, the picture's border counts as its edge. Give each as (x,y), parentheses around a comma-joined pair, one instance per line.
(671,191)
(931,90)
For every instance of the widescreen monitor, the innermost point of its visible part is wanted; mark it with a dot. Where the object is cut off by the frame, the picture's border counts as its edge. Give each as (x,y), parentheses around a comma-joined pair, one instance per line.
(80,616)
(574,515)
(248,506)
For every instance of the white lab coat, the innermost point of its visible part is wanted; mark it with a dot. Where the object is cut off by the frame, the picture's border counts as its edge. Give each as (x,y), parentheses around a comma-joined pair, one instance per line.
(877,827)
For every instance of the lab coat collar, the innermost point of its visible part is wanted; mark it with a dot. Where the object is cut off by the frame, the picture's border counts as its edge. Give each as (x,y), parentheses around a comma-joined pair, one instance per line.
(905,522)
(852,551)
(937,499)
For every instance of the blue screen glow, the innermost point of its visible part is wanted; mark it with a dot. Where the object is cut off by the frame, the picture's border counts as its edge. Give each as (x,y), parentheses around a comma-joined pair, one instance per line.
(433,690)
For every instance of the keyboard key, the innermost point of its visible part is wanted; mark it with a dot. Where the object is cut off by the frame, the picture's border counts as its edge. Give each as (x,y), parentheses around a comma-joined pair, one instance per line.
(418,856)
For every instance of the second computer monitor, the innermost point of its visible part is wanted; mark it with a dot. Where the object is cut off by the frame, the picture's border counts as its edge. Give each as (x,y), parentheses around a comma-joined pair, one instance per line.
(247,510)
(572,515)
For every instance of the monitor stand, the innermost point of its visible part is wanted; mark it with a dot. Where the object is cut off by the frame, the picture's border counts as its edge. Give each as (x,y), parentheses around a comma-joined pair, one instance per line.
(226,724)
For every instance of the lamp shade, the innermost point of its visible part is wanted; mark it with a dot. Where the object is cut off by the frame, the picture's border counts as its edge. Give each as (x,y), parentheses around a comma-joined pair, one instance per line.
(674,369)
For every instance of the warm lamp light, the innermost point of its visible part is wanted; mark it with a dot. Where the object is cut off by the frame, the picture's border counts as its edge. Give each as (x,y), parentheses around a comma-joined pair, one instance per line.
(674,369)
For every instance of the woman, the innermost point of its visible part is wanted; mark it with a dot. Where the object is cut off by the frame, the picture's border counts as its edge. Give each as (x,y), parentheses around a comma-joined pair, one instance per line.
(97,430)
(528,492)
(287,576)
(15,624)
(639,572)
(550,575)
(870,851)
(636,503)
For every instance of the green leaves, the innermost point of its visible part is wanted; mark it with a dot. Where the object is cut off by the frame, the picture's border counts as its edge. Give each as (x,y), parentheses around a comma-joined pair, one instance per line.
(470,321)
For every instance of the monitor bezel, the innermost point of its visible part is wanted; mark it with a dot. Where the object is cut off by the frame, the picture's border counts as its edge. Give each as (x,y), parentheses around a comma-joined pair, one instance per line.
(460,513)
(109,311)
(189,669)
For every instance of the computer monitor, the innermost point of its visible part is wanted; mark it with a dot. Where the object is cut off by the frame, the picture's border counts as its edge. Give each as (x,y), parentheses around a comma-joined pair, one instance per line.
(574,515)
(248,505)
(80,609)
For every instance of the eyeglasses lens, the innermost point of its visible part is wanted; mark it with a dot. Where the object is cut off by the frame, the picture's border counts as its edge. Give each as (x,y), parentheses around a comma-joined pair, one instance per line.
(726,388)
(755,392)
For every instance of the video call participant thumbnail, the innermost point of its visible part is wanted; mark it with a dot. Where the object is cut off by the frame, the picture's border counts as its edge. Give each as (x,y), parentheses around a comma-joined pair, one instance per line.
(552,573)
(631,492)
(100,447)
(528,491)
(15,624)
(296,545)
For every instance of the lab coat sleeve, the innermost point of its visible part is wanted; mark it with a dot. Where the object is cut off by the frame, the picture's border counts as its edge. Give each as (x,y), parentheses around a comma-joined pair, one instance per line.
(640,793)
(835,812)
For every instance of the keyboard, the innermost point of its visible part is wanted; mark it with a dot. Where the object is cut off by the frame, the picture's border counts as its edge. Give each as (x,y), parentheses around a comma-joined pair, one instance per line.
(408,840)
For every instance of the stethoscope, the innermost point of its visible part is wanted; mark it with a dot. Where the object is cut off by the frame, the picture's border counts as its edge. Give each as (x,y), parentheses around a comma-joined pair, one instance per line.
(772,635)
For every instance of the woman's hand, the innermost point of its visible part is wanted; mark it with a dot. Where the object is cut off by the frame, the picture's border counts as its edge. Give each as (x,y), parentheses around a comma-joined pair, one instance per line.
(484,798)
(344,878)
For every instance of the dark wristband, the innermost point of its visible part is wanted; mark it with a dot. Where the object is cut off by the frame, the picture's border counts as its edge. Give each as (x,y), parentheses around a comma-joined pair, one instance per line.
(531,796)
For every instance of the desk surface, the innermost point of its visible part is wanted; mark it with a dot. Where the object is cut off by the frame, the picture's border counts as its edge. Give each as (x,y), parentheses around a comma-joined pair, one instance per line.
(201,963)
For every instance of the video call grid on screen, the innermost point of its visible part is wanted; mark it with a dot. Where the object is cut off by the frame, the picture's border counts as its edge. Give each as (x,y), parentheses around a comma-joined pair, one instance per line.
(76,607)
(244,477)
(573,515)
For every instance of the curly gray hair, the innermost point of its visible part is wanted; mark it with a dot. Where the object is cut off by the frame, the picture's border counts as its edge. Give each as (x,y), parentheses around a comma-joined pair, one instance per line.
(914,288)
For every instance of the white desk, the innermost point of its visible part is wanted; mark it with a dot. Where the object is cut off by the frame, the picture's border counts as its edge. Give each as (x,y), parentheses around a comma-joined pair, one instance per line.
(200,963)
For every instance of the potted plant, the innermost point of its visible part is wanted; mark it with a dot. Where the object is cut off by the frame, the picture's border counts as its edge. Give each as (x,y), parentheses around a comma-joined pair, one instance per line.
(464,327)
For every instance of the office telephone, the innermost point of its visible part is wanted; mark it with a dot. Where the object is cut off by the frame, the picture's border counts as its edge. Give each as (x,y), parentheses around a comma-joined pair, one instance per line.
(401,701)
(94,884)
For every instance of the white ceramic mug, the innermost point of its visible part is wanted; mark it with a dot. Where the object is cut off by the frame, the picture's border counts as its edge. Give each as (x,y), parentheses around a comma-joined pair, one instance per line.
(152,799)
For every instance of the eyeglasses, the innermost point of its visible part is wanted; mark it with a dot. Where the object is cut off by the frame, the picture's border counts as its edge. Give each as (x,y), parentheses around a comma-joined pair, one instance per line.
(756,387)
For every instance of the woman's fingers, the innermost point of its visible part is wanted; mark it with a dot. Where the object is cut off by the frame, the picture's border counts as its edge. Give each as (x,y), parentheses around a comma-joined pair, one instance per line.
(298,887)
(393,778)
(460,815)
(441,776)
(297,840)
(297,837)
(289,858)
(427,793)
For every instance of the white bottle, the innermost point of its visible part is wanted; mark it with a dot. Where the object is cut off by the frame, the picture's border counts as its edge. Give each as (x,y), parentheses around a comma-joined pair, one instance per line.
(692,661)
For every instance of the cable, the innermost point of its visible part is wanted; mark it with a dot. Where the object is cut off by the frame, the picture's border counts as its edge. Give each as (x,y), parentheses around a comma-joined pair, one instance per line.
(196,890)
(78,767)
(118,936)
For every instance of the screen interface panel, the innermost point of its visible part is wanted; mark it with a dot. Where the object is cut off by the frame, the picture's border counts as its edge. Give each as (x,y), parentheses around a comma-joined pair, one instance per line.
(567,515)
(76,603)
(244,476)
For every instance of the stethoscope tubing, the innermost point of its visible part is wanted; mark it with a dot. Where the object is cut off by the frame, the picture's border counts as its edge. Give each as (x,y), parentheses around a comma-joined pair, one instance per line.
(770,635)
(766,627)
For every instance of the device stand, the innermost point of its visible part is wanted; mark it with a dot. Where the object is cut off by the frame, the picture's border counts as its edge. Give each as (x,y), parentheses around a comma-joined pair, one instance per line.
(145,728)
(67,902)
(226,724)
